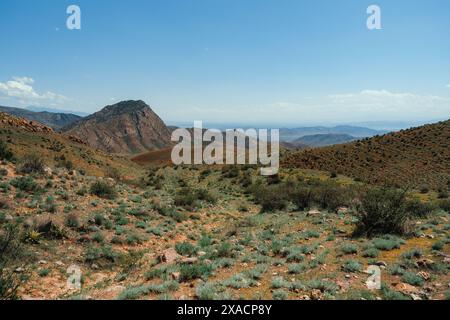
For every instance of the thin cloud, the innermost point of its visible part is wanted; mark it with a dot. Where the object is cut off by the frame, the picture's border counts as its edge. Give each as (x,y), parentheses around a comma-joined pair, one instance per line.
(21,89)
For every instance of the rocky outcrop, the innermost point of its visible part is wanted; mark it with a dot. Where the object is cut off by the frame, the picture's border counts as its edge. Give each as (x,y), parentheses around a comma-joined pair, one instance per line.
(31,126)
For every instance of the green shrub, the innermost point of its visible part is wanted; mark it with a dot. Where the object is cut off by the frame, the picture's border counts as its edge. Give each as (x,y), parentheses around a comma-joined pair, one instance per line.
(439,245)
(370,253)
(31,164)
(72,221)
(419,209)
(27,184)
(186,249)
(100,254)
(5,152)
(383,211)
(194,271)
(412,279)
(414,253)
(349,248)
(271,198)
(225,249)
(387,243)
(444,204)
(280,295)
(135,292)
(389,294)
(424,189)
(49,205)
(302,197)
(330,195)
(211,291)
(351,266)
(296,268)
(98,237)
(103,190)
(10,247)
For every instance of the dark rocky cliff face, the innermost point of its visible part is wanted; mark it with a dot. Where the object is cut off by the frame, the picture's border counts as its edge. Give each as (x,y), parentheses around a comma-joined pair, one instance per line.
(128,127)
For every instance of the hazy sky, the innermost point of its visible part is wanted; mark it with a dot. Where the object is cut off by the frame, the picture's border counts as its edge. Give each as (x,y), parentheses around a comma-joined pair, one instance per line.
(255,61)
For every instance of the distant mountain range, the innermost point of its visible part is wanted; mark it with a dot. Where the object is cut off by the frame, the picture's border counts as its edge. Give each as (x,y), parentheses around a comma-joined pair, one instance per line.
(290,135)
(53,110)
(54,120)
(322,140)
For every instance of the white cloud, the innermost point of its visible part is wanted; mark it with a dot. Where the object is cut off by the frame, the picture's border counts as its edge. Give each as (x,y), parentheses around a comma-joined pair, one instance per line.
(21,90)
(448,86)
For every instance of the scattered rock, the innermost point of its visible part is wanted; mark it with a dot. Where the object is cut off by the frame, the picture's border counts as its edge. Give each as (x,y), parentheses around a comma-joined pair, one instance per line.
(201,253)
(406,288)
(169,256)
(424,275)
(415,296)
(19,270)
(190,260)
(316,294)
(425,263)
(313,212)
(381,264)
(48,171)
(175,275)
(342,210)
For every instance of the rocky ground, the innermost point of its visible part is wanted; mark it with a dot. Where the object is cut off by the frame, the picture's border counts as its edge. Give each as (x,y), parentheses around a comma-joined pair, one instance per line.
(190,233)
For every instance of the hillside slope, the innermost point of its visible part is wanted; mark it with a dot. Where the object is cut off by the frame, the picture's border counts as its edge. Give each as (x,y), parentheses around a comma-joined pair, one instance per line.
(128,127)
(53,120)
(26,137)
(406,158)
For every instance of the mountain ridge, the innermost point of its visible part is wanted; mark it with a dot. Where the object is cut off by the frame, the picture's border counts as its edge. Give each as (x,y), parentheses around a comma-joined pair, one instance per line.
(127,127)
(54,120)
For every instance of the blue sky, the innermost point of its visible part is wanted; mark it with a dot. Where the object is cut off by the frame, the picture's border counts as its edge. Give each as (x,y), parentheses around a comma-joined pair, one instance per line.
(242,61)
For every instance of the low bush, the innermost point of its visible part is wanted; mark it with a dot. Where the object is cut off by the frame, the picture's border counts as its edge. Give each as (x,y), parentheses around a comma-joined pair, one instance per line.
(194,271)
(186,249)
(383,211)
(417,208)
(5,152)
(31,164)
(103,190)
(27,184)
(351,266)
(10,247)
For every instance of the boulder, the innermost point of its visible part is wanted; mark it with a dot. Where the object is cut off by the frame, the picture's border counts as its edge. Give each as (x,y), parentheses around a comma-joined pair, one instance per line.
(169,256)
